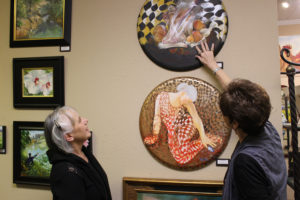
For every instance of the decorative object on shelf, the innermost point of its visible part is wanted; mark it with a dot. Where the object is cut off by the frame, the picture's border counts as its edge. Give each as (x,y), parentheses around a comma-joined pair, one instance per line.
(31,165)
(2,139)
(40,23)
(145,188)
(169,30)
(38,82)
(181,123)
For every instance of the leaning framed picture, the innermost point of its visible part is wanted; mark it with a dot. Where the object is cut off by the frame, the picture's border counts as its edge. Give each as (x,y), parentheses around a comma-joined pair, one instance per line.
(161,189)
(40,23)
(30,162)
(38,82)
(2,139)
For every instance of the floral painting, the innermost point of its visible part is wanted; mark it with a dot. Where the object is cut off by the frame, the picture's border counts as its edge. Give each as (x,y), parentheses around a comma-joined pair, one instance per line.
(38,82)
(169,30)
(182,125)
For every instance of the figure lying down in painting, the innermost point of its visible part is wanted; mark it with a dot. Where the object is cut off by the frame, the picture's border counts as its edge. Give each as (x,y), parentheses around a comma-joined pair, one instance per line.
(178,113)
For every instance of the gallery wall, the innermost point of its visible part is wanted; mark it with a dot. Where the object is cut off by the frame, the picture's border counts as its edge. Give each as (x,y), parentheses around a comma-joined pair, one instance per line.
(107,78)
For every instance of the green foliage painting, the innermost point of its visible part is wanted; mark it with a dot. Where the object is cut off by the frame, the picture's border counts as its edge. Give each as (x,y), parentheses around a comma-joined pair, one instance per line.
(34,160)
(39,19)
(155,196)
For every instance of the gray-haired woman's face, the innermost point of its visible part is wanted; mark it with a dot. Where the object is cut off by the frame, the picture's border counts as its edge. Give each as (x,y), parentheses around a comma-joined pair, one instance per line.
(80,131)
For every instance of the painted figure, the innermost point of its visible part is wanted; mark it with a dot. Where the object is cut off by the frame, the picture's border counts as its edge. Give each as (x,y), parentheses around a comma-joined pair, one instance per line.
(29,161)
(178,113)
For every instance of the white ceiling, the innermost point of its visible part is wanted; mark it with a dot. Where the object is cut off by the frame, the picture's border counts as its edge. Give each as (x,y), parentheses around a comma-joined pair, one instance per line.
(290,15)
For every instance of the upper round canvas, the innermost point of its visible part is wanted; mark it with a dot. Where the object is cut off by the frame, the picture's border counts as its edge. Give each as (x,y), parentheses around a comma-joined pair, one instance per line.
(169,30)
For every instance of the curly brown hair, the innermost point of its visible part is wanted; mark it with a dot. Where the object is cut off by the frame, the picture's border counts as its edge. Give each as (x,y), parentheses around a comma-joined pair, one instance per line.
(247,103)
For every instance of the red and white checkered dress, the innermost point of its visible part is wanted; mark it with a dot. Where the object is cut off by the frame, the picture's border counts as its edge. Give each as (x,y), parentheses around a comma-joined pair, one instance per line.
(180,131)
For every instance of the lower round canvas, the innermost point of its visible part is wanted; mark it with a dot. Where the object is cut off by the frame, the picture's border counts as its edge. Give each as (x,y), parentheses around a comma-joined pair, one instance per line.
(181,124)
(169,30)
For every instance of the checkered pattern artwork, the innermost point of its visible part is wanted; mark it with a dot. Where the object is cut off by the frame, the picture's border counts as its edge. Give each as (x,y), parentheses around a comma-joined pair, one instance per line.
(172,134)
(169,30)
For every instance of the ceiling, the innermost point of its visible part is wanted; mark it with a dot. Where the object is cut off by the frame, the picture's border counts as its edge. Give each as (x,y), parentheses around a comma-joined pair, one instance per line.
(290,14)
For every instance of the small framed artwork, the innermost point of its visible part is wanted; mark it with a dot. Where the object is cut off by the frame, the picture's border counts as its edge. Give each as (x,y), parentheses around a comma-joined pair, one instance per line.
(38,82)
(2,139)
(161,189)
(30,163)
(40,23)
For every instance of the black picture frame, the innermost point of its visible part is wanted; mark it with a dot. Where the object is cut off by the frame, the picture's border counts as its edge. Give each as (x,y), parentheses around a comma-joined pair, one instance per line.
(29,150)
(40,24)
(38,82)
(2,139)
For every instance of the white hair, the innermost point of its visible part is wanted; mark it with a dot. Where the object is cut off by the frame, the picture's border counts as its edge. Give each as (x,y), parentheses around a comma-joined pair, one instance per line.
(190,90)
(57,124)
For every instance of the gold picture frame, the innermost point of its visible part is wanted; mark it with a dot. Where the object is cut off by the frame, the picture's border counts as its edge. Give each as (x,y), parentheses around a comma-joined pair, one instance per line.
(141,188)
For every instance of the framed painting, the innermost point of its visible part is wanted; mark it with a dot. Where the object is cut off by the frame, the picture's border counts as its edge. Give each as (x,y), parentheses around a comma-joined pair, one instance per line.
(31,165)
(166,189)
(169,30)
(291,42)
(40,23)
(38,82)
(181,124)
(2,139)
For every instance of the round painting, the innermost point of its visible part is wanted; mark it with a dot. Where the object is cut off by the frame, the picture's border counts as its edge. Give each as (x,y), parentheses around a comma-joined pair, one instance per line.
(169,30)
(181,123)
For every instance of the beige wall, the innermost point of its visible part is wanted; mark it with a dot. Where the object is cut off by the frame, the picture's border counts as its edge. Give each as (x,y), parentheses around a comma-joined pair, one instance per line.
(107,78)
(284,30)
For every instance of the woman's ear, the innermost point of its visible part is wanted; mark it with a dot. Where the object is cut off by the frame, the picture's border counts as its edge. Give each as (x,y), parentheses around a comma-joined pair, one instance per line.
(69,137)
(235,125)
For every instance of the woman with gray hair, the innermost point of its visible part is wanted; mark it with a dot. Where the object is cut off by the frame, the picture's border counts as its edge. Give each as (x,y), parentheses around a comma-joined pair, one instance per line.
(76,174)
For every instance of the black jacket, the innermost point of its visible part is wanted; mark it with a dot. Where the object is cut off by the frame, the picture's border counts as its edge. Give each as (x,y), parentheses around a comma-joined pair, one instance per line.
(72,178)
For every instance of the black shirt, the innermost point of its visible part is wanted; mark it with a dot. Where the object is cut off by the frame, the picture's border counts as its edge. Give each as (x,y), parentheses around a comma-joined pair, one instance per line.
(72,178)
(250,179)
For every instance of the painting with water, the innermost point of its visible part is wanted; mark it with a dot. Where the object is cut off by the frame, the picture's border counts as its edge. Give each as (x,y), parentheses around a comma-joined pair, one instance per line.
(31,165)
(165,195)
(40,23)
(171,189)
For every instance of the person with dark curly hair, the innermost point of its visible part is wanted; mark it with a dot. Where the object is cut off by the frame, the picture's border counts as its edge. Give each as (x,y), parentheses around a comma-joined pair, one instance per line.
(257,169)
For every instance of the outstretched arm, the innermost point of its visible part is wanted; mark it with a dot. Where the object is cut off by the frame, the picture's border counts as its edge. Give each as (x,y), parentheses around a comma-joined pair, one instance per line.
(206,56)
(157,119)
(198,124)
(156,124)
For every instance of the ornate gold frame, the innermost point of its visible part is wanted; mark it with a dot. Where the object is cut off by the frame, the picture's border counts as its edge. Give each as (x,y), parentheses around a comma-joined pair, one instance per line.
(132,186)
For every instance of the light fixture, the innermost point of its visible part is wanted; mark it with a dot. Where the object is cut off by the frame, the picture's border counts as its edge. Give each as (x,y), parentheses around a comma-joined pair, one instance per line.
(285,4)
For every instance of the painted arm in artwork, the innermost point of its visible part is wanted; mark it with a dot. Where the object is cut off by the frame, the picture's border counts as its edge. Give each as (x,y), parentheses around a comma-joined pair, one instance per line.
(197,122)
(156,124)
(206,56)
